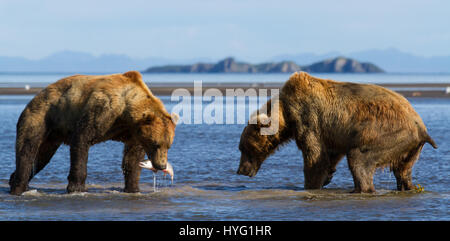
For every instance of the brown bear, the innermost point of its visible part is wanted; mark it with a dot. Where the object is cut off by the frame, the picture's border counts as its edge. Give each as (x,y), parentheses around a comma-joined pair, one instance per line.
(83,110)
(373,126)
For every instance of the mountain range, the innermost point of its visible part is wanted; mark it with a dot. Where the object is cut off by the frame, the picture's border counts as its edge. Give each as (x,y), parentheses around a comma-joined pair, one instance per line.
(80,62)
(230,65)
(390,60)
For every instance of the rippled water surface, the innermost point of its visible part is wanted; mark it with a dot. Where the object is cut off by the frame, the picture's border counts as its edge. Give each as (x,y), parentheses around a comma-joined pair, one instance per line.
(206,187)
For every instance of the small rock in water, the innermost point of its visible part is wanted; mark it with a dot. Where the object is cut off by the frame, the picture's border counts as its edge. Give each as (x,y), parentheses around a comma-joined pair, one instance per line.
(148,165)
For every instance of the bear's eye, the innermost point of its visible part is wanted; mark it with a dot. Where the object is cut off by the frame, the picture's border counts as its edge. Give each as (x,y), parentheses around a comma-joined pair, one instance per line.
(147,119)
(156,145)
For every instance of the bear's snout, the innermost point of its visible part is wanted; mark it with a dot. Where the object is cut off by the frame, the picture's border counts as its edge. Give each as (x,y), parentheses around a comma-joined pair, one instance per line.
(246,169)
(159,166)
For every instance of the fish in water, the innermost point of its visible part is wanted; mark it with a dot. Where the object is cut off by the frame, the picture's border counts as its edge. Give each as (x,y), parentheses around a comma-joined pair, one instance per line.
(148,165)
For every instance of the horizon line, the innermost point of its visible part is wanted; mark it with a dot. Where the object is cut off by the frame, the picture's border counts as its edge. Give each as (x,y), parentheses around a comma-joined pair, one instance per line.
(335,53)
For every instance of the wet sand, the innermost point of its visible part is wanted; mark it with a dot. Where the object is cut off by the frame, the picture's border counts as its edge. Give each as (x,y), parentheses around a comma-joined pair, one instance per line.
(435,90)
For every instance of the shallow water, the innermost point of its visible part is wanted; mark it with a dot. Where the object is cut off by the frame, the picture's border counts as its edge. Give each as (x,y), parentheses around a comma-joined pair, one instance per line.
(205,159)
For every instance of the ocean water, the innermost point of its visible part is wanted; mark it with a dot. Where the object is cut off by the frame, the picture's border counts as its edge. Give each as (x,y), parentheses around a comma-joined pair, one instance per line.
(43,79)
(205,159)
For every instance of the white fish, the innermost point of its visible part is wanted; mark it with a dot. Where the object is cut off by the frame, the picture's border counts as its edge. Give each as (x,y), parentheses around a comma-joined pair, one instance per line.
(147,164)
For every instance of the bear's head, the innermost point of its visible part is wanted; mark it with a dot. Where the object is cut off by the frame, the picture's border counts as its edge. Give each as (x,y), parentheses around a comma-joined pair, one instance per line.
(255,146)
(155,132)
(265,133)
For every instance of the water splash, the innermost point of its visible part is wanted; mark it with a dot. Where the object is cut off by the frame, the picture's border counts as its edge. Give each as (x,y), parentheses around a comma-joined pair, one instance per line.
(32,192)
(154,182)
(147,164)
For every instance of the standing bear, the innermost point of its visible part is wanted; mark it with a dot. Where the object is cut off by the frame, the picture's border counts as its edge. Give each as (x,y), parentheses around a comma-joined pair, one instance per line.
(373,126)
(84,110)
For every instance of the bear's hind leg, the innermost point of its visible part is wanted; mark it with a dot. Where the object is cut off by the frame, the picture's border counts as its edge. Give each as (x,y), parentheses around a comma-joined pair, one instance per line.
(27,147)
(404,179)
(362,168)
(403,170)
(45,153)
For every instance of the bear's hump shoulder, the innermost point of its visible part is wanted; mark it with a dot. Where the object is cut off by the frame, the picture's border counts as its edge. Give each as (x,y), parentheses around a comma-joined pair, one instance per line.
(300,76)
(133,75)
(304,78)
(136,77)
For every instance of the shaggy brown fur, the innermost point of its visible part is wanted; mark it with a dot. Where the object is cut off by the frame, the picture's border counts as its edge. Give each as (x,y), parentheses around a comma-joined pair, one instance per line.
(83,110)
(373,126)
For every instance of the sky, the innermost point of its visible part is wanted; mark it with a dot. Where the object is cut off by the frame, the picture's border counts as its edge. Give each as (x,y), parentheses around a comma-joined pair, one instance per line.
(247,29)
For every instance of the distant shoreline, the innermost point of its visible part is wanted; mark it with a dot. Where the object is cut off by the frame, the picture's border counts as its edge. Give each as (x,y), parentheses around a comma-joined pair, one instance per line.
(433,90)
(203,73)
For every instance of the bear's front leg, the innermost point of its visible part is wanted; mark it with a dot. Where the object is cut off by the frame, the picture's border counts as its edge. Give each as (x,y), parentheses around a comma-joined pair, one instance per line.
(133,153)
(316,168)
(78,167)
(316,165)
(91,128)
(315,176)
(333,160)
(79,151)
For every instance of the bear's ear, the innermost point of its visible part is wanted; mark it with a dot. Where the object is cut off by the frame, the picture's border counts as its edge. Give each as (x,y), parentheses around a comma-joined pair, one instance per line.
(263,120)
(175,117)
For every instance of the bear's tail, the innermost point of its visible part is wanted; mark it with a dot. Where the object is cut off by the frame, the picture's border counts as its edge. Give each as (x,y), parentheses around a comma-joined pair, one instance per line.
(431,141)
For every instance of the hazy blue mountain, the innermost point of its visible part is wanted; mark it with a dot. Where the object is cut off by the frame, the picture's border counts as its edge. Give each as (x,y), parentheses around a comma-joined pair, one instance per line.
(230,65)
(342,65)
(278,67)
(71,61)
(305,58)
(391,60)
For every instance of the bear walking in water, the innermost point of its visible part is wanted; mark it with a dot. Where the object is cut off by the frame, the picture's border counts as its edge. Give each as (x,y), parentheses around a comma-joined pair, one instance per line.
(373,126)
(84,110)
